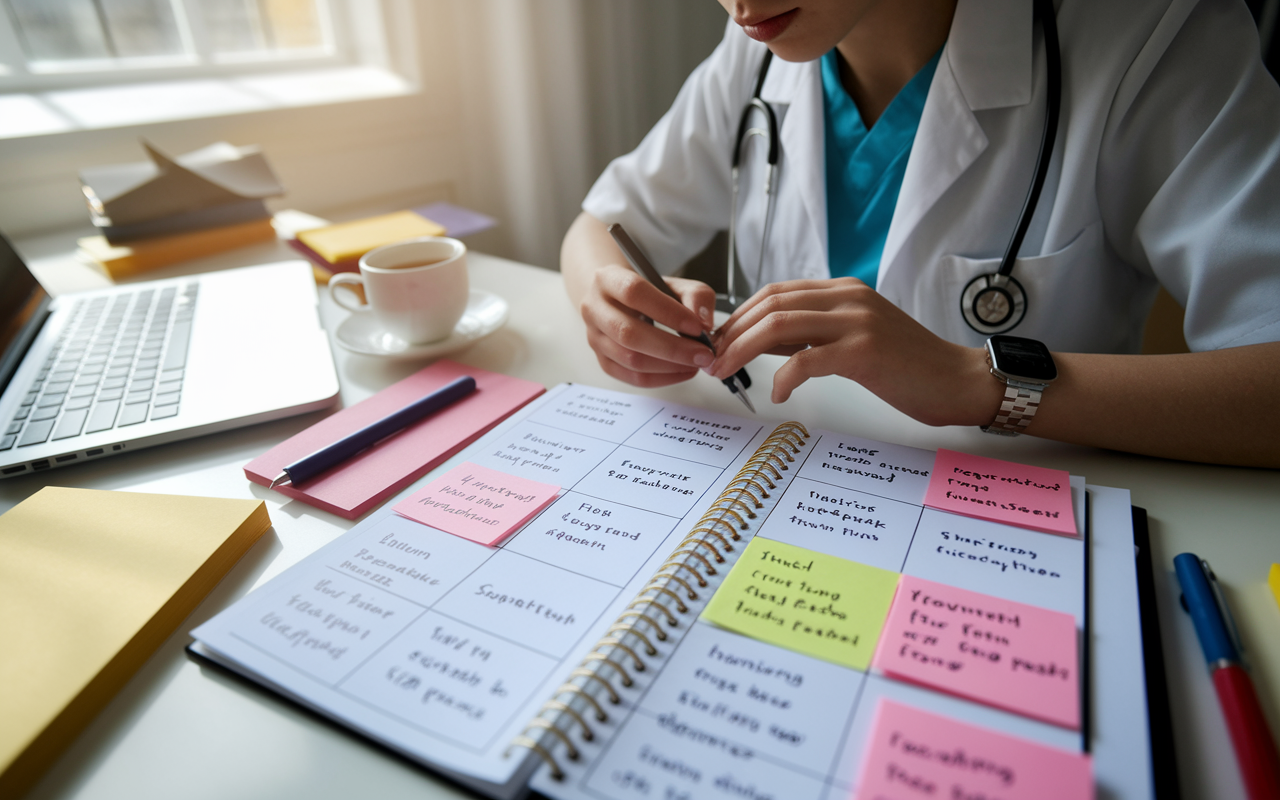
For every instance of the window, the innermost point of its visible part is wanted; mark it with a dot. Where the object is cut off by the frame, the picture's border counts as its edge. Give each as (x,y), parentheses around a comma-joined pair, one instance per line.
(61,43)
(76,65)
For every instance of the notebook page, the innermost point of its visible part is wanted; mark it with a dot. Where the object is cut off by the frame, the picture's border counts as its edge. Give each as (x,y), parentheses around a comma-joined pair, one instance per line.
(441,648)
(726,715)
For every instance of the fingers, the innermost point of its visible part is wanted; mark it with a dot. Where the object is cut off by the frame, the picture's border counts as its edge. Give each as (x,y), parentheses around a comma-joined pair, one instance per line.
(812,363)
(646,380)
(698,297)
(812,295)
(780,331)
(628,290)
(626,345)
(640,347)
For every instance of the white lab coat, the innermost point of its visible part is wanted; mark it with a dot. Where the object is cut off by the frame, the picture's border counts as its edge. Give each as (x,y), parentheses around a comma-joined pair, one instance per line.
(1166,169)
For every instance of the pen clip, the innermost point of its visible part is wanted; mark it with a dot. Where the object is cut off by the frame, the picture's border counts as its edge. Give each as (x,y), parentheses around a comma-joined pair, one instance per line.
(1224,611)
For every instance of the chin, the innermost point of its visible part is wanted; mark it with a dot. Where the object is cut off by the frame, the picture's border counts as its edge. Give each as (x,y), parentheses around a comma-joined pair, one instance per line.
(796,53)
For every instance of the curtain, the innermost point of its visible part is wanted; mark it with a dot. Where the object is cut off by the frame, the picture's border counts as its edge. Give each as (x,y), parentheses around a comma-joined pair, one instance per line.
(552,90)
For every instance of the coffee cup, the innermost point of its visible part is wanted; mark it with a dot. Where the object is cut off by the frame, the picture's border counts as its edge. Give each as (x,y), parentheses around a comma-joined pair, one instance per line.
(417,289)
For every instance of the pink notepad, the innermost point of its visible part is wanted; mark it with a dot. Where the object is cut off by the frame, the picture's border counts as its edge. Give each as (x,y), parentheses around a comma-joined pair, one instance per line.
(916,754)
(356,486)
(1010,655)
(477,503)
(1002,491)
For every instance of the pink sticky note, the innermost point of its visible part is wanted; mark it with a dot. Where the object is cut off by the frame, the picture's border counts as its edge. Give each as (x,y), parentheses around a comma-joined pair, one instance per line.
(1014,656)
(1002,491)
(477,503)
(914,754)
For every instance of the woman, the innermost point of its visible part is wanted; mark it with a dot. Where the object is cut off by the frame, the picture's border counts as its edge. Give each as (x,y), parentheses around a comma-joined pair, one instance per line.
(1166,170)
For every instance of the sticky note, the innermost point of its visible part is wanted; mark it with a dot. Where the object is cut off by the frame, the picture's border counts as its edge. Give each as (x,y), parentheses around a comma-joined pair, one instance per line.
(915,754)
(806,601)
(1274,580)
(1002,491)
(477,503)
(1014,656)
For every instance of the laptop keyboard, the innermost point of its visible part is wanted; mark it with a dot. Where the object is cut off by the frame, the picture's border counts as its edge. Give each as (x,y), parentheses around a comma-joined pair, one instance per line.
(120,362)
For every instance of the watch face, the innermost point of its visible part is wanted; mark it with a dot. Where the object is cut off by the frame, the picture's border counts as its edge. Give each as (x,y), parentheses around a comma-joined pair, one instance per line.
(1022,358)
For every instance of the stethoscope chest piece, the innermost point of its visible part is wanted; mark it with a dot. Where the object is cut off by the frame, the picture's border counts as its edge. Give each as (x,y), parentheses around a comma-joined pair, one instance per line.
(993,303)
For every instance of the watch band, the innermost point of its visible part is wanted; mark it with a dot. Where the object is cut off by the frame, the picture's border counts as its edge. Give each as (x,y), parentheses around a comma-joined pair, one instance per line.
(1017,409)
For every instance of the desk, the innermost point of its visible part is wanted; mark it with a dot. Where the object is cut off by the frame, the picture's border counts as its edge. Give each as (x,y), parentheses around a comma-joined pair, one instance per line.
(178,729)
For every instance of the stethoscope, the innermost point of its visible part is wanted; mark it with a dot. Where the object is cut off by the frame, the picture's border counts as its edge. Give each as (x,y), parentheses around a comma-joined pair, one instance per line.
(991,303)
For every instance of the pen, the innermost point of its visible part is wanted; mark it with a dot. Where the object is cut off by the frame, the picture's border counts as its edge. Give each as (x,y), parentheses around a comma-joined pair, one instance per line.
(1215,628)
(740,381)
(306,468)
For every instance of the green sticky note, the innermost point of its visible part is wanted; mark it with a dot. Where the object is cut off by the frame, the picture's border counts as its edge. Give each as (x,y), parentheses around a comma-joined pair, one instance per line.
(806,601)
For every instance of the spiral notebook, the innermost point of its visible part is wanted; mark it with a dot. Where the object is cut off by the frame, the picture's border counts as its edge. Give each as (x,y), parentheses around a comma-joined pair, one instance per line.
(574,660)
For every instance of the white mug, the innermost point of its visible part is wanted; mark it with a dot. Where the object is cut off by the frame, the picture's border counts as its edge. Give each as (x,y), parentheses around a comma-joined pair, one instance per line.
(417,288)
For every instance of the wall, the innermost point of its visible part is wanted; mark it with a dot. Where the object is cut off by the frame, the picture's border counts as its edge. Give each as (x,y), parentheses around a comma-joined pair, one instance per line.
(517,107)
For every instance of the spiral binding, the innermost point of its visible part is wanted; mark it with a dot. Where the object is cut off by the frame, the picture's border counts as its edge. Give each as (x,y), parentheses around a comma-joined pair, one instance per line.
(705,543)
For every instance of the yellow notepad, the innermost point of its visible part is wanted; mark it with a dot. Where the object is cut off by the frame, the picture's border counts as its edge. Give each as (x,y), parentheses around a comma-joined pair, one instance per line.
(91,583)
(349,240)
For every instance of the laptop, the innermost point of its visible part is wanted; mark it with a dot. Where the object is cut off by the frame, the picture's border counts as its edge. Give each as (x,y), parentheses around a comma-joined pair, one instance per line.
(88,375)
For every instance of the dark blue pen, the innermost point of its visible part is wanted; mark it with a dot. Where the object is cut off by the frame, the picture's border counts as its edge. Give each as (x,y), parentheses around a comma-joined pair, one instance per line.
(304,469)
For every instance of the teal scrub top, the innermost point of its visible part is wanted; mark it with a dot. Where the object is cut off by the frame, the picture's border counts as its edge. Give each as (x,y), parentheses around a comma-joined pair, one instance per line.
(865,169)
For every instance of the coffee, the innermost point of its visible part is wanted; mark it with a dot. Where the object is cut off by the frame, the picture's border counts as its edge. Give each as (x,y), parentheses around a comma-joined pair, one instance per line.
(415,264)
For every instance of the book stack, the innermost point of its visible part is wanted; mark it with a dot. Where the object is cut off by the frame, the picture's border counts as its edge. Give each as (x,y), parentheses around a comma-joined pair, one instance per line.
(154,213)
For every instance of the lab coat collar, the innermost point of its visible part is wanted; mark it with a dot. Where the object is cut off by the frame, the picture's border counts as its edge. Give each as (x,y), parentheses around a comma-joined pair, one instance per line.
(795,91)
(990,50)
(986,63)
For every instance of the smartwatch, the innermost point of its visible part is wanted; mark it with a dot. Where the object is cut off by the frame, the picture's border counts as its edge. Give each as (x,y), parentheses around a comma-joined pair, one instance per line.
(1026,368)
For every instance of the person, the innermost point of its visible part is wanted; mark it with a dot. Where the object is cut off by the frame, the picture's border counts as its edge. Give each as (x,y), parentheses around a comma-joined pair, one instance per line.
(1165,170)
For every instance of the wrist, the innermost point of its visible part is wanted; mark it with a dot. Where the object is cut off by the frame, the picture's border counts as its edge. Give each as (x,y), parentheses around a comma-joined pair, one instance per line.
(983,393)
(1026,368)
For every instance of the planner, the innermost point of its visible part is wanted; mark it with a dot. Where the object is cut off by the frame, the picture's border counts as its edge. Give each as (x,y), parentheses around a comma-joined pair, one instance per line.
(577,659)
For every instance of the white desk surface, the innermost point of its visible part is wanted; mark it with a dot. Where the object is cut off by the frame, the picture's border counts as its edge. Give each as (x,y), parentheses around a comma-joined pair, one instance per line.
(182,730)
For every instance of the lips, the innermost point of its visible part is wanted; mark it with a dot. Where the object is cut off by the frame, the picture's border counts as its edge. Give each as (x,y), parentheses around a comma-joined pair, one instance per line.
(769,29)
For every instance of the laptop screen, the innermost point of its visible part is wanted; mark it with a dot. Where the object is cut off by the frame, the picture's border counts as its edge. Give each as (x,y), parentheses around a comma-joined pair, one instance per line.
(23,308)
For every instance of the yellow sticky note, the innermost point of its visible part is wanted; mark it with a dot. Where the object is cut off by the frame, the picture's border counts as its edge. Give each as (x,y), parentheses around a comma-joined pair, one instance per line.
(350,240)
(1274,580)
(803,600)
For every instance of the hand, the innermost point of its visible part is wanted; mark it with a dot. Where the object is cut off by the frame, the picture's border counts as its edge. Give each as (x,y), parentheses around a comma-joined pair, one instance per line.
(843,327)
(615,306)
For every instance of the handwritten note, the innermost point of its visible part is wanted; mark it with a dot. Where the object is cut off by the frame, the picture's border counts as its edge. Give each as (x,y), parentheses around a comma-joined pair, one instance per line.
(915,754)
(1006,654)
(806,601)
(1001,491)
(477,503)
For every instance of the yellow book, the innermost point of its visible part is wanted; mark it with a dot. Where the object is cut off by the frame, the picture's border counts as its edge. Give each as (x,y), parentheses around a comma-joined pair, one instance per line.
(91,583)
(349,240)
(1273,580)
(123,260)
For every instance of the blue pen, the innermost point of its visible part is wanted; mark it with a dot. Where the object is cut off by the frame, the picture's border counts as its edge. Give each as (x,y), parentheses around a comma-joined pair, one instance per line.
(304,469)
(1255,749)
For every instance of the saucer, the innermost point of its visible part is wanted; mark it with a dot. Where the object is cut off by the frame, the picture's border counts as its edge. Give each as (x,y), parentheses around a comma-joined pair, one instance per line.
(361,333)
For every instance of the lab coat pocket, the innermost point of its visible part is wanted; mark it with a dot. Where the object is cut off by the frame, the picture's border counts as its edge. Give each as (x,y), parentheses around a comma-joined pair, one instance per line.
(1072,299)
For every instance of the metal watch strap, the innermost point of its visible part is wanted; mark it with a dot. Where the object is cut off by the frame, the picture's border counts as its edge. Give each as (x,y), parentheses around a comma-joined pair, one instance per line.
(1017,409)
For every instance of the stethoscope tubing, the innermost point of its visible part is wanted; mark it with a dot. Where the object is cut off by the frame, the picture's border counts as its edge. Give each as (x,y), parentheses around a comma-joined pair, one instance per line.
(1000,282)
